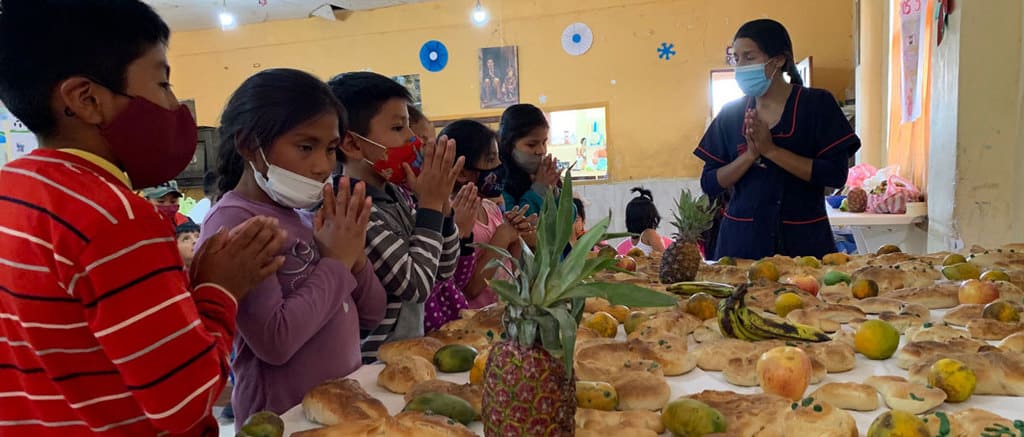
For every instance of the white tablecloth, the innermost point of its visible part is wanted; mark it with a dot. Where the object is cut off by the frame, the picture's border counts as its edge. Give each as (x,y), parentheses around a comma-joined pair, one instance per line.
(694,382)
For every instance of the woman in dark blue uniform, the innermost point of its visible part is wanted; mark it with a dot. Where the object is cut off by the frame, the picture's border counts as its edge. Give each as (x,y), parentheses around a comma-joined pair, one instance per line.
(776,150)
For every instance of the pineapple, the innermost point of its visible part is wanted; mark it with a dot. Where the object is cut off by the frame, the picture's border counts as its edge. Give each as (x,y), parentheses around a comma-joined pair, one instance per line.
(529,389)
(857,200)
(692,217)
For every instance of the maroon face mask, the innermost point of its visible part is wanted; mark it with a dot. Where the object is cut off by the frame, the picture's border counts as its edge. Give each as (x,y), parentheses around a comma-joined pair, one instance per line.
(153,144)
(170,212)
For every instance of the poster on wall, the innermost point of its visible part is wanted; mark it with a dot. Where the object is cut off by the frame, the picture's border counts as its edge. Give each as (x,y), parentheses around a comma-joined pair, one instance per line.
(411,82)
(579,137)
(912,25)
(499,77)
(15,139)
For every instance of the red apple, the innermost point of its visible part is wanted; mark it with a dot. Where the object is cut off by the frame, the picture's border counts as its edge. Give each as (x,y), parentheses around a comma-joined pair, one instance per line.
(784,371)
(978,292)
(626,263)
(806,283)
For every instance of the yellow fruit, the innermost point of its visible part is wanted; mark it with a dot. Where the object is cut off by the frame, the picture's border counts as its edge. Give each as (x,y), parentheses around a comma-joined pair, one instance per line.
(995,275)
(876,339)
(763,270)
(634,320)
(787,302)
(702,305)
(888,248)
(954,258)
(897,423)
(596,395)
(476,374)
(1002,311)
(809,261)
(864,288)
(603,324)
(727,261)
(961,272)
(835,259)
(690,417)
(620,312)
(636,252)
(954,378)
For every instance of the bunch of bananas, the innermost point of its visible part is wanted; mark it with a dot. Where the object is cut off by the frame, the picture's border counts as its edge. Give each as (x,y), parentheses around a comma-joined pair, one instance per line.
(736,320)
(691,288)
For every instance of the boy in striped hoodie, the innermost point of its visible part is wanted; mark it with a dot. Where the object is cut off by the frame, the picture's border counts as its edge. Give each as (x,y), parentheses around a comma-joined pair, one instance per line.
(101,332)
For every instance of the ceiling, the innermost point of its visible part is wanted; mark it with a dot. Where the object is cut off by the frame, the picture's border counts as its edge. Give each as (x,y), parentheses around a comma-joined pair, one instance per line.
(184,15)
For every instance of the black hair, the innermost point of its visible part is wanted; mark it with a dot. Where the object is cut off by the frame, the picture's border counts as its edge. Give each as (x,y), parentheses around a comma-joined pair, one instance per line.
(363,93)
(185,228)
(773,39)
(472,139)
(641,214)
(415,115)
(517,122)
(267,105)
(210,183)
(580,212)
(43,42)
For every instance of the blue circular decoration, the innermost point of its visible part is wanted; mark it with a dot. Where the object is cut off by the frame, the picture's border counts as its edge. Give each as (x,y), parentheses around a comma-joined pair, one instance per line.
(576,38)
(434,56)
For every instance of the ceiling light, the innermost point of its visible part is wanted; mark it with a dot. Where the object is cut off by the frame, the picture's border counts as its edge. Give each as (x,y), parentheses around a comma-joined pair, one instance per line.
(227,19)
(479,13)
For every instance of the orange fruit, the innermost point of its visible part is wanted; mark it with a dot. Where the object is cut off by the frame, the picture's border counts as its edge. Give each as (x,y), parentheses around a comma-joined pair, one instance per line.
(476,373)
(702,305)
(864,288)
(620,312)
(876,339)
(763,270)
(603,323)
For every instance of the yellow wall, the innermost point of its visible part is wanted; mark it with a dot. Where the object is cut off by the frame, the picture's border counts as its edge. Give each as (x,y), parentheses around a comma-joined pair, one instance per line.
(656,109)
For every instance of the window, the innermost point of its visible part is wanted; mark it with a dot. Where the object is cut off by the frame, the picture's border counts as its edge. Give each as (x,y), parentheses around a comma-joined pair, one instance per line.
(580,137)
(724,88)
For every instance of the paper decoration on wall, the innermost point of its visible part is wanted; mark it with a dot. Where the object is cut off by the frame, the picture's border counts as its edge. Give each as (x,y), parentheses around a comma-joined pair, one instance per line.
(411,82)
(942,10)
(499,77)
(577,38)
(434,56)
(666,51)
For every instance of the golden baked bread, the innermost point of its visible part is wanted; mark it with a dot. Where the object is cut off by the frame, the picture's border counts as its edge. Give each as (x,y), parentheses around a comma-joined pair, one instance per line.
(674,321)
(934,296)
(613,421)
(462,336)
(722,273)
(814,417)
(848,396)
(811,317)
(708,332)
(836,356)
(424,347)
(407,424)
(989,329)
(913,352)
(1013,343)
(903,275)
(715,356)
(747,415)
(878,305)
(473,394)
(899,394)
(341,400)
(978,422)
(641,390)
(400,375)
(997,372)
(666,348)
(934,332)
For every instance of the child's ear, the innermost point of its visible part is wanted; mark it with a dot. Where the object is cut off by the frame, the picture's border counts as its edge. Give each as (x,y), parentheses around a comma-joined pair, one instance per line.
(80,97)
(350,148)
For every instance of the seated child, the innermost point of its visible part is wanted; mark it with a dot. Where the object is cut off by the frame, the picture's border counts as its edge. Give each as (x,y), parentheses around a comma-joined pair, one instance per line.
(642,218)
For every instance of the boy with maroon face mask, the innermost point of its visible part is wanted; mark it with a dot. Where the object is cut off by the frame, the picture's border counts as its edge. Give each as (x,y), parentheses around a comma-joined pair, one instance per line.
(103,331)
(167,200)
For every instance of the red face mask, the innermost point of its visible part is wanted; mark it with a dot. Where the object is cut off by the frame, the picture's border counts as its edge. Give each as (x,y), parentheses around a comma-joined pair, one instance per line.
(153,144)
(390,167)
(170,212)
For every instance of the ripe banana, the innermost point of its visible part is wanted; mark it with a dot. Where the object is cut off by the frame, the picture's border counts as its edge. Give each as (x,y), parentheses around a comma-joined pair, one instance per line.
(713,288)
(736,320)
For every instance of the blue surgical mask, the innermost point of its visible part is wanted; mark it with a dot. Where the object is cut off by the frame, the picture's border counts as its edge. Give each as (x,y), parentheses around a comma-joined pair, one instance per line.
(752,80)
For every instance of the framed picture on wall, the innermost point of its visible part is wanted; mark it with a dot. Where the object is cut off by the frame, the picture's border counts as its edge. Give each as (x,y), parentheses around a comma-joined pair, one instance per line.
(411,82)
(499,77)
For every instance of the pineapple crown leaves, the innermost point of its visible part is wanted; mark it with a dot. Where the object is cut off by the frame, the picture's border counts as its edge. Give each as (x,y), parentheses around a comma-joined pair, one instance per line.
(692,216)
(545,296)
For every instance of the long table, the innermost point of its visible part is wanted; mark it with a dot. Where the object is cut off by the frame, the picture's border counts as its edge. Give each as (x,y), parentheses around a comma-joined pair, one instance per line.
(871,231)
(694,382)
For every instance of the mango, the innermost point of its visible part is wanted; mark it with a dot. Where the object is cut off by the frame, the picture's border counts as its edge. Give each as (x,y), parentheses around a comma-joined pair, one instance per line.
(809,261)
(726,261)
(995,275)
(597,395)
(834,277)
(454,358)
(690,417)
(961,272)
(952,259)
(897,423)
(446,405)
(835,259)
(263,424)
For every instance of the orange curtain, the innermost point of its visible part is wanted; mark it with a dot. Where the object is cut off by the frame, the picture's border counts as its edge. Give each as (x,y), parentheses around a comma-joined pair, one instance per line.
(908,142)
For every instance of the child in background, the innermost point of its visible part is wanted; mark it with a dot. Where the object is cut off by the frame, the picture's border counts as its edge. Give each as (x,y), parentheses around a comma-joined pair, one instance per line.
(279,135)
(523,149)
(167,199)
(93,271)
(187,235)
(410,248)
(199,211)
(579,227)
(422,126)
(642,218)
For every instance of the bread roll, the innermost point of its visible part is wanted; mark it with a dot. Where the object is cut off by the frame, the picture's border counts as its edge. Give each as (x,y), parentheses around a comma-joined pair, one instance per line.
(462,336)
(989,329)
(848,396)
(899,394)
(470,393)
(588,418)
(1013,343)
(341,400)
(747,415)
(424,347)
(640,390)
(407,424)
(819,419)
(401,374)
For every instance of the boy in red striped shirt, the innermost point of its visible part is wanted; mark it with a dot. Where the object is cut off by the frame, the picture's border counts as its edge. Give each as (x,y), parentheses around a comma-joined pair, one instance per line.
(101,332)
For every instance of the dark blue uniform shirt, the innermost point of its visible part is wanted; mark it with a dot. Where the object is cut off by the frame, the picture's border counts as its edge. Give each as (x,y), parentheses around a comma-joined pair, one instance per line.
(772,211)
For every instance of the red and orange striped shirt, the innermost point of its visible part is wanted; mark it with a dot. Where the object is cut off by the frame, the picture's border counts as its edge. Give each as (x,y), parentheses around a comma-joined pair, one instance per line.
(100,332)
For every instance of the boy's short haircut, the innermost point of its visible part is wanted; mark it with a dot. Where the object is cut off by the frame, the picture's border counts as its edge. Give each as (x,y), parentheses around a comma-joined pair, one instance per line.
(415,115)
(362,93)
(43,42)
(186,228)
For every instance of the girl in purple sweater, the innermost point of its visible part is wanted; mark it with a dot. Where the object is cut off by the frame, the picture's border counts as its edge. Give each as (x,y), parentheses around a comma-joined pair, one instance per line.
(278,137)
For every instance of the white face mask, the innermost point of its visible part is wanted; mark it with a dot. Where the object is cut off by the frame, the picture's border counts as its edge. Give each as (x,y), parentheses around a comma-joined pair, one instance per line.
(289,189)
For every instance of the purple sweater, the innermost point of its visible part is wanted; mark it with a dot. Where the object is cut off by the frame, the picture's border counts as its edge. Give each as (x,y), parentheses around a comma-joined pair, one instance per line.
(300,327)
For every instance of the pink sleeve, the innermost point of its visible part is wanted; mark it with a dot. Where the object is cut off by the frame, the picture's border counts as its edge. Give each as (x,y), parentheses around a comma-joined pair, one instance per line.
(624,246)
(666,241)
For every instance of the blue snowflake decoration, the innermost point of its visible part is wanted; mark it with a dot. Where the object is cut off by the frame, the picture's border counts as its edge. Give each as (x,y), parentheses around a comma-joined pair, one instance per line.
(666,51)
